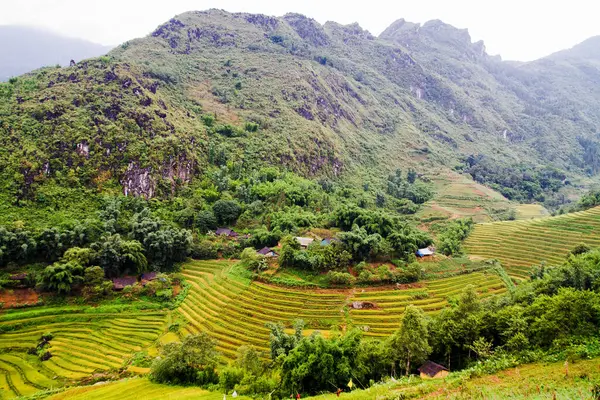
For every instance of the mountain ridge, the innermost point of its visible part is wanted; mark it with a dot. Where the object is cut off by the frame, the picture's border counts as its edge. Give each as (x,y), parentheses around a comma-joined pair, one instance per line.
(328,101)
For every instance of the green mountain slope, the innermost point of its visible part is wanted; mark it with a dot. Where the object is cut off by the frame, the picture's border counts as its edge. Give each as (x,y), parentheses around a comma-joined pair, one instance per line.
(321,100)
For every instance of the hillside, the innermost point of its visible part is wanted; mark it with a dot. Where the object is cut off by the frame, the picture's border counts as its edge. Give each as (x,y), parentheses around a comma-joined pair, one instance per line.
(357,107)
(522,245)
(540,381)
(24,49)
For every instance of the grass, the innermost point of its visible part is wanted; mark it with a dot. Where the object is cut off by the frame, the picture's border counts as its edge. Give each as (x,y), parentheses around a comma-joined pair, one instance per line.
(137,388)
(519,245)
(531,381)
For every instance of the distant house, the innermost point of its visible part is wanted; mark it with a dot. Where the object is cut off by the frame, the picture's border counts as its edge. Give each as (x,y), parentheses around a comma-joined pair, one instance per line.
(148,277)
(328,241)
(226,232)
(431,370)
(267,252)
(304,241)
(120,283)
(427,251)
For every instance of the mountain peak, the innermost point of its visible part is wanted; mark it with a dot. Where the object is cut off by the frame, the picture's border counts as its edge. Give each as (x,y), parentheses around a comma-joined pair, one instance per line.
(433,35)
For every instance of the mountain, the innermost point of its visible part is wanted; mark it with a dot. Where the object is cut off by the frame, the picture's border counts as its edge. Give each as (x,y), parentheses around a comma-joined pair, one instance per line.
(212,88)
(25,49)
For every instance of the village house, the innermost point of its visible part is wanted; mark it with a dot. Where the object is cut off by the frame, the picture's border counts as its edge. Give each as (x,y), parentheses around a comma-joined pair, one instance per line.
(226,232)
(304,241)
(427,251)
(431,370)
(120,283)
(267,252)
(148,277)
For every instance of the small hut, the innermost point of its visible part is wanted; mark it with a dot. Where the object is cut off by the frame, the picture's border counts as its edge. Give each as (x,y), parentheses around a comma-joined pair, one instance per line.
(427,251)
(120,283)
(267,252)
(226,232)
(148,277)
(304,241)
(431,370)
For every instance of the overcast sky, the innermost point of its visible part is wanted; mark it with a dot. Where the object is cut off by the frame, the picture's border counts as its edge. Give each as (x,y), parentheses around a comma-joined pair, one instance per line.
(515,29)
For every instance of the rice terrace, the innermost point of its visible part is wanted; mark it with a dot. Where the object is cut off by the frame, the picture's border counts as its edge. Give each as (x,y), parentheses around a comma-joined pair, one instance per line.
(242,205)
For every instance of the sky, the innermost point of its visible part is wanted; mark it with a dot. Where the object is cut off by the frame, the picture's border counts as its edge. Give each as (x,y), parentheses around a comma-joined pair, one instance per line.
(516,29)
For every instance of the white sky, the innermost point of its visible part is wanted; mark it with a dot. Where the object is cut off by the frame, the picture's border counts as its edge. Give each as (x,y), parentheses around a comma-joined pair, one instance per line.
(515,29)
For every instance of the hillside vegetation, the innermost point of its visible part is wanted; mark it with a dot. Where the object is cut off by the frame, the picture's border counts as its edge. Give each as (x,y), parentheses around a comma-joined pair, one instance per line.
(212,88)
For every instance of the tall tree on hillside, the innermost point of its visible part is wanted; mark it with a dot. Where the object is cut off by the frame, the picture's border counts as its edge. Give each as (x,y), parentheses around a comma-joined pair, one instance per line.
(409,344)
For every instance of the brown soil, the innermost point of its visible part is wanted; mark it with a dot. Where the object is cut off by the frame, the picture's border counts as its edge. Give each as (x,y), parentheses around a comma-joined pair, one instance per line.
(18,297)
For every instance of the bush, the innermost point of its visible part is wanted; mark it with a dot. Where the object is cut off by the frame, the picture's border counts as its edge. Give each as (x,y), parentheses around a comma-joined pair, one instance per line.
(340,278)
(229,377)
(204,250)
(253,261)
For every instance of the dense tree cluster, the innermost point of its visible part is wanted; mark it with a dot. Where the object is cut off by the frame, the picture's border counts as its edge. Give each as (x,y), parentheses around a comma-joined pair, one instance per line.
(516,182)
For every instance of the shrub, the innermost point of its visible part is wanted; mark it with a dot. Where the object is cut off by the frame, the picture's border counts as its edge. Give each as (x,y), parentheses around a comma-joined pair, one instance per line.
(340,278)
(204,250)
(229,377)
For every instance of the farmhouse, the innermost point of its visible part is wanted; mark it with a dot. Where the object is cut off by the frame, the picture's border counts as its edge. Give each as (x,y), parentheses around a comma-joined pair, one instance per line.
(267,252)
(148,277)
(431,370)
(304,241)
(328,241)
(120,283)
(226,232)
(428,251)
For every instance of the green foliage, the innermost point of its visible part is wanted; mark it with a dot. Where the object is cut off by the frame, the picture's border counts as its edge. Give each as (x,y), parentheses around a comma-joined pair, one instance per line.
(226,211)
(361,244)
(61,277)
(280,342)
(253,261)
(410,343)
(450,240)
(316,364)
(192,361)
(117,256)
(340,278)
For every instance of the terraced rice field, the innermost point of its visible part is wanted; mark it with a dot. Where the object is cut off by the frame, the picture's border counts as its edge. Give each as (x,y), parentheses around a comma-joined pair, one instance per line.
(138,388)
(458,196)
(83,343)
(520,245)
(385,319)
(234,310)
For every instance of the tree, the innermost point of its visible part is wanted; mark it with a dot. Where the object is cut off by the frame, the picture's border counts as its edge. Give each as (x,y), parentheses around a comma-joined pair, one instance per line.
(191,361)
(93,276)
(410,343)
(165,247)
(206,221)
(60,277)
(282,343)
(253,261)
(83,256)
(411,176)
(316,363)
(226,211)
(116,255)
(361,244)
(16,246)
